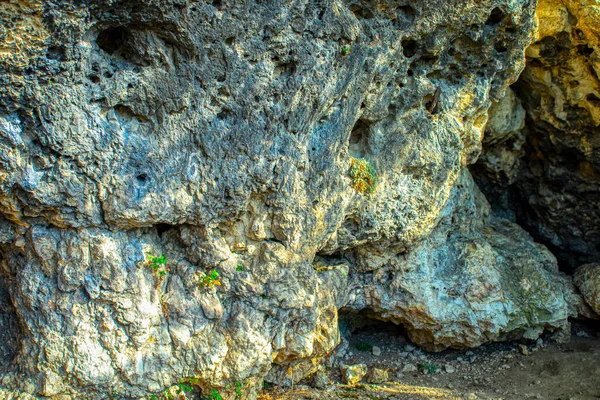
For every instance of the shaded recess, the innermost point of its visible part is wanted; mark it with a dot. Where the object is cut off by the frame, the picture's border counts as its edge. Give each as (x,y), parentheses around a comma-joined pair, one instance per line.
(364,321)
(359,138)
(10,331)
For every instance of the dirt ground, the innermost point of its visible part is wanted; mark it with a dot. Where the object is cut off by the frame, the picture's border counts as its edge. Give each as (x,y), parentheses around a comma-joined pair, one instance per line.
(535,370)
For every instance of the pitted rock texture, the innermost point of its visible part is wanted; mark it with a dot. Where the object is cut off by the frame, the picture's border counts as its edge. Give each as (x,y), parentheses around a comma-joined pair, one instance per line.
(221,134)
(559,190)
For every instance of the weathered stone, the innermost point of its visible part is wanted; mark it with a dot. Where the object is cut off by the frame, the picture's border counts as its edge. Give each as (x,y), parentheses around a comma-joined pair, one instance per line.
(352,374)
(475,278)
(409,368)
(221,135)
(377,375)
(587,279)
(320,380)
(449,369)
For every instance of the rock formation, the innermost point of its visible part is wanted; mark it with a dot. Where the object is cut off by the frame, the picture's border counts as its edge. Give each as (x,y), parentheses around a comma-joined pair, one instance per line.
(221,134)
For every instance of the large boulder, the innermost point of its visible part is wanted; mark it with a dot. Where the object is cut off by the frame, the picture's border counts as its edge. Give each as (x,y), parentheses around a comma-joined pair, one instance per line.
(475,279)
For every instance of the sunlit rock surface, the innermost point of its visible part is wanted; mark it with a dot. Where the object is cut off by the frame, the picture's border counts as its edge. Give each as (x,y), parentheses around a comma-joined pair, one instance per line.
(221,135)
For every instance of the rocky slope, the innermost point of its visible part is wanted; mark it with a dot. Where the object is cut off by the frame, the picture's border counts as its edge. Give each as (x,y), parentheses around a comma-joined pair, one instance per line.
(222,135)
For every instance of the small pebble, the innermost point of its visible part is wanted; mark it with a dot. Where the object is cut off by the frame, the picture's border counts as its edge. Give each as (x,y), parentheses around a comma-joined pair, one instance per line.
(449,369)
(376,351)
(410,368)
(523,349)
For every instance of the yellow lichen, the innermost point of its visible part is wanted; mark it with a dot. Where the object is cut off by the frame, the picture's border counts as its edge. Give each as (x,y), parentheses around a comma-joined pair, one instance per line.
(363,175)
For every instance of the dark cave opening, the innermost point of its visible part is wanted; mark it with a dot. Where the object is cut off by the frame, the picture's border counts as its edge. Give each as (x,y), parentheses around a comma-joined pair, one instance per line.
(359,137)
(161,228)
(356,324)
(112,39)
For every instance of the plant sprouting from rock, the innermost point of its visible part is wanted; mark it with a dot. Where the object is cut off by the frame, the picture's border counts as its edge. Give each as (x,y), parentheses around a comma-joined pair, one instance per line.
(158,263)
(238,389)
(364,175)
(210,280)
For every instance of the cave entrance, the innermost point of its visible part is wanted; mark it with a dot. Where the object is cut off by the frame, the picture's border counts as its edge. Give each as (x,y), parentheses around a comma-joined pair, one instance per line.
(364,336)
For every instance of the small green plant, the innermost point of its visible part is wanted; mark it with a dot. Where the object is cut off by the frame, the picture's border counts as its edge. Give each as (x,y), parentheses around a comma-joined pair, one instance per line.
(210,280)
(158,263)
(238,389)
(239,268)
(364,175)
(363,346)
(183,386)
(345,50)
(428,368)
(214,395)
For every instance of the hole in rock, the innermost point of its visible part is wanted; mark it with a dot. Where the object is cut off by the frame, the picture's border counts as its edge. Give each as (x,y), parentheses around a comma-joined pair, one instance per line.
(162,228)
(55,53)
(112,39)
(595,100)
(496,16)
(224,114)
(143,179)
(125,44)
(585,50)
(359,139)
(407,12)
(363,332)
(10,330)
(409,48)
(500,47)
(217,4)
(361,12)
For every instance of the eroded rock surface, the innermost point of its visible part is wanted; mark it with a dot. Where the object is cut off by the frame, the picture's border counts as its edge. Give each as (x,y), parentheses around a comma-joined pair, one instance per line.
(221,134)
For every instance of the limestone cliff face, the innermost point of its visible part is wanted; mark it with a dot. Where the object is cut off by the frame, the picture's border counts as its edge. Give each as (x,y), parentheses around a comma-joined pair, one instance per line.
(221,135)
